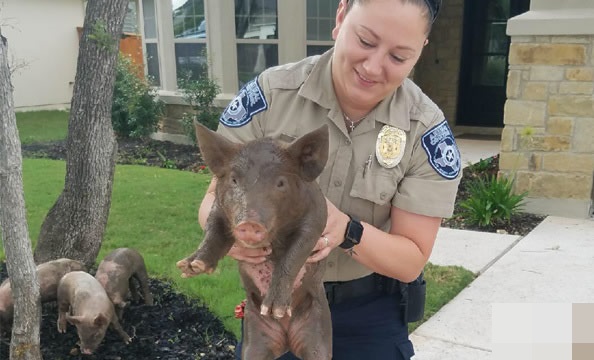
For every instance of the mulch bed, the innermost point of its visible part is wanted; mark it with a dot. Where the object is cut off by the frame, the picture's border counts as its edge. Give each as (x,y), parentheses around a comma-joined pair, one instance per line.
(519,224)
(174,328)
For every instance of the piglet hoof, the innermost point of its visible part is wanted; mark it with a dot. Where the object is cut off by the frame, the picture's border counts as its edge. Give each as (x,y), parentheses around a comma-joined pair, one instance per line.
(196,267)
(277,312)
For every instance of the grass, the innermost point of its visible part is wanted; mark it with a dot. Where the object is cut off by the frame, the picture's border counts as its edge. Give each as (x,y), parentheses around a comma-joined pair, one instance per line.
(155,211)
(42,126)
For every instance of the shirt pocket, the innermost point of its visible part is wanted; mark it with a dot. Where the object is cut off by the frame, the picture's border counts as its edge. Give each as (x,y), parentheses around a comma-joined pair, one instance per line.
(377,187)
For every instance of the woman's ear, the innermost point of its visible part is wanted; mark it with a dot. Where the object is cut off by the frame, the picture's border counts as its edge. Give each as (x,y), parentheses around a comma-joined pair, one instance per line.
(426,42)
(340,14)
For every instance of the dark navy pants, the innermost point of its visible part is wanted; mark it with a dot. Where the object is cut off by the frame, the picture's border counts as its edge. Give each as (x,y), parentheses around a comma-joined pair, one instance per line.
(368,327)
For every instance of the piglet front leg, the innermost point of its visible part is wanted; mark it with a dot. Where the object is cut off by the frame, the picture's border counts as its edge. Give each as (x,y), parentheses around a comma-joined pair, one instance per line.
(216,244)
(286,269)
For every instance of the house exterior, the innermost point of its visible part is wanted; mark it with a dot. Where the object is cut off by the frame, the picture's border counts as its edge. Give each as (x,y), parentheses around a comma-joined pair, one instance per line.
(43,48)
(531,75)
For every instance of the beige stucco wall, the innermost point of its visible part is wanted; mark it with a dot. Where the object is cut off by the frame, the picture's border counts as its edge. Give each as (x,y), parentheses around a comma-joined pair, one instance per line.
(43,46)
(548,139)
(438,69)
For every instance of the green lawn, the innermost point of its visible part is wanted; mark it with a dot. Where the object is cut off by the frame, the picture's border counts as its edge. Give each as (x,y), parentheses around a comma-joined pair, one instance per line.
(42,126)
(155,211)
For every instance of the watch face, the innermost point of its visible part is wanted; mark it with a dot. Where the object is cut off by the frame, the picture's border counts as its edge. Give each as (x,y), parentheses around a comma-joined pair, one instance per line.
(353,234)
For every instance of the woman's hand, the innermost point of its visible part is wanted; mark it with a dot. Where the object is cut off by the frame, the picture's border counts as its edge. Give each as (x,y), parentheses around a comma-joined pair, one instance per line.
(333,234)
(249,255)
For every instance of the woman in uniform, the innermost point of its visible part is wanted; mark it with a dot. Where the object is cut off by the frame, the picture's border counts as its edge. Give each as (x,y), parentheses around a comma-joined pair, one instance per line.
(393,167)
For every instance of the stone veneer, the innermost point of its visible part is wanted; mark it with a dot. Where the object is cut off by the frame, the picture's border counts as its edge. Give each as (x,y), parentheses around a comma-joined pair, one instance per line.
(548,139)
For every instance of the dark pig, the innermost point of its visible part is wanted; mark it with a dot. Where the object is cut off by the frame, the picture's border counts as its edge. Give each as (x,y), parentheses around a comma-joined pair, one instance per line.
(83,302)
(116,273)
(49,275)
(267,196)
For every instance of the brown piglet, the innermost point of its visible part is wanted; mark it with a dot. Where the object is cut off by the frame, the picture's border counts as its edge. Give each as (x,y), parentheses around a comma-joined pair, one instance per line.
(117,272)
(267,196)
(49,275)
(83,302)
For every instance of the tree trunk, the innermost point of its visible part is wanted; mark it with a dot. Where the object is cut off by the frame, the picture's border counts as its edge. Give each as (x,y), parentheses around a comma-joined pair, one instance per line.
(13,226)
(75,225)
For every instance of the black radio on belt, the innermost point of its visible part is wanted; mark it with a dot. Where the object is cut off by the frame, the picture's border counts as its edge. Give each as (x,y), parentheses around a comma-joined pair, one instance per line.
(353,233)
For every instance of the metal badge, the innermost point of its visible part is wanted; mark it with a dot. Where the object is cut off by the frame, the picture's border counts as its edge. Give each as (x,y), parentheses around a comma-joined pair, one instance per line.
(390,145)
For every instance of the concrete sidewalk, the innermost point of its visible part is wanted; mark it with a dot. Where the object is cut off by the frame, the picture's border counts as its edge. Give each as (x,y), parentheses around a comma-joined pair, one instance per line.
(552,264)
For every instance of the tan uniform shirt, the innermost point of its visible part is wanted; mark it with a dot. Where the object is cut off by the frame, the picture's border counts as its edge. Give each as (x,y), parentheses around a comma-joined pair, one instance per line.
(299,98)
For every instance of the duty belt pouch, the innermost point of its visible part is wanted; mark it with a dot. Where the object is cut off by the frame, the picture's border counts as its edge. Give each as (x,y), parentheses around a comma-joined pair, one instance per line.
(413,298)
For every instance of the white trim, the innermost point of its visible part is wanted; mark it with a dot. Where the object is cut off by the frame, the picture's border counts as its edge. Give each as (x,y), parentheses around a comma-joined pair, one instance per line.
(552,22)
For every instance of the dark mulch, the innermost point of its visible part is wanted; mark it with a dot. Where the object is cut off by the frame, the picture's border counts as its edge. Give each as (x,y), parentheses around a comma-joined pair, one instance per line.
(519,224)
(174,328)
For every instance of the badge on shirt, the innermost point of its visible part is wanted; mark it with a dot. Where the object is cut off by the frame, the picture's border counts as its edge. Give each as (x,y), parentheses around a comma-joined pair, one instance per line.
(441,148)
(390,145)
(248,102)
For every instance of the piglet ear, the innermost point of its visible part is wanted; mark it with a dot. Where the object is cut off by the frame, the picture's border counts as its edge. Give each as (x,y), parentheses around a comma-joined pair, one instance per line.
(74,320)
(311,152)
(100,320)
(216,150)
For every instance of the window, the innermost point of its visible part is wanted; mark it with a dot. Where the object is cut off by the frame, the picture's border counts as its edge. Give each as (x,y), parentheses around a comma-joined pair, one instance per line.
(150,39)
(321,15)
(256,31)
(189,33)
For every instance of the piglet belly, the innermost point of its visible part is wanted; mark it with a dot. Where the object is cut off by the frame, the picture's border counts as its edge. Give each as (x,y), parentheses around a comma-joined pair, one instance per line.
(261,275)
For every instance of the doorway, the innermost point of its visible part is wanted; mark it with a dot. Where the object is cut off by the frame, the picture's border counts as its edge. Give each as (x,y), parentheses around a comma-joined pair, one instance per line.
(484,63)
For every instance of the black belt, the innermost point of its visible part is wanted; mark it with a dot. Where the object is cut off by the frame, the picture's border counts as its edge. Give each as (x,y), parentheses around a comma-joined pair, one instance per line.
(339,291)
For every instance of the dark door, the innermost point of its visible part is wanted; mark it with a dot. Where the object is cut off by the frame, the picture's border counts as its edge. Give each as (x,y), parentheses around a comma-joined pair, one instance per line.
(485,48)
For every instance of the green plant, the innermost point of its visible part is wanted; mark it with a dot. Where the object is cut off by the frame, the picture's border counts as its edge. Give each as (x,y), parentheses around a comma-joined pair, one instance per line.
(100,35)
(136,110)
(167,163)
(481,166)
(491,200)
(200,95)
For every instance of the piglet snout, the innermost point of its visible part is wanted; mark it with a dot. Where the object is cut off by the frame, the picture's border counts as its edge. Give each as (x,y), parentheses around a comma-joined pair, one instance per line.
(250,233)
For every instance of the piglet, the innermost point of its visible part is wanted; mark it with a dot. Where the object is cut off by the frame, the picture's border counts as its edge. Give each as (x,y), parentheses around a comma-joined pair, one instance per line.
(49,275)
(83,302)
(267,196)
(115,273)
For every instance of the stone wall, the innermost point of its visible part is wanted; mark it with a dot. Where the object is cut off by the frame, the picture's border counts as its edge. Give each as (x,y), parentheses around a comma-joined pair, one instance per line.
(438,69)
(548,139)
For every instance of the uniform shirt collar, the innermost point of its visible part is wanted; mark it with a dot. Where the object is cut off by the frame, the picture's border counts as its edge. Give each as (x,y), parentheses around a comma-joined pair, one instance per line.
(393,110)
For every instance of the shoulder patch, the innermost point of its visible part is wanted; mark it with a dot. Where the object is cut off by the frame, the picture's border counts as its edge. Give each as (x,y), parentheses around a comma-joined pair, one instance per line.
(249,101)
(441,148)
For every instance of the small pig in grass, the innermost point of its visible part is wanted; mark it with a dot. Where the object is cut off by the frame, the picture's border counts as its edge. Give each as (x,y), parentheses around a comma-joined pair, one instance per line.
(83,302)
(116,273)
(267,196)
(49,275)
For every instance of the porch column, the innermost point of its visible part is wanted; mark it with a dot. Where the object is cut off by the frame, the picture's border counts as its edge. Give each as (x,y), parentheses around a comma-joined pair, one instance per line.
(548,138)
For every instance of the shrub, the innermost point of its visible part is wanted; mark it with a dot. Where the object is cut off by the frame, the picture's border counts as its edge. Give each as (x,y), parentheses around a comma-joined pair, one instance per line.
(136,110)
(491,200)
(200,95)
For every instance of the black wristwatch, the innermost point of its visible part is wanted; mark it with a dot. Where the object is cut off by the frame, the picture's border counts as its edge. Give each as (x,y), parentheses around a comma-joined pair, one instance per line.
(353,234)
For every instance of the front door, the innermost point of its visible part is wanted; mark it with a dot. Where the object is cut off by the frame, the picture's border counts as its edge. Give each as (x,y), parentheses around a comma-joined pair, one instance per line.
(485,48)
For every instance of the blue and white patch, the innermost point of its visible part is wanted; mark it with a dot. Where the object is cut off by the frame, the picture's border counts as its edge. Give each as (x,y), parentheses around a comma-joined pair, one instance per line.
(248,102)
(442,150)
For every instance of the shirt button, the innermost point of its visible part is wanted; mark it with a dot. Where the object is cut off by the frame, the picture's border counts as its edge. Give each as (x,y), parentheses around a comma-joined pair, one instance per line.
(383,196)
(348,141)
(337,183)
(330,264)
